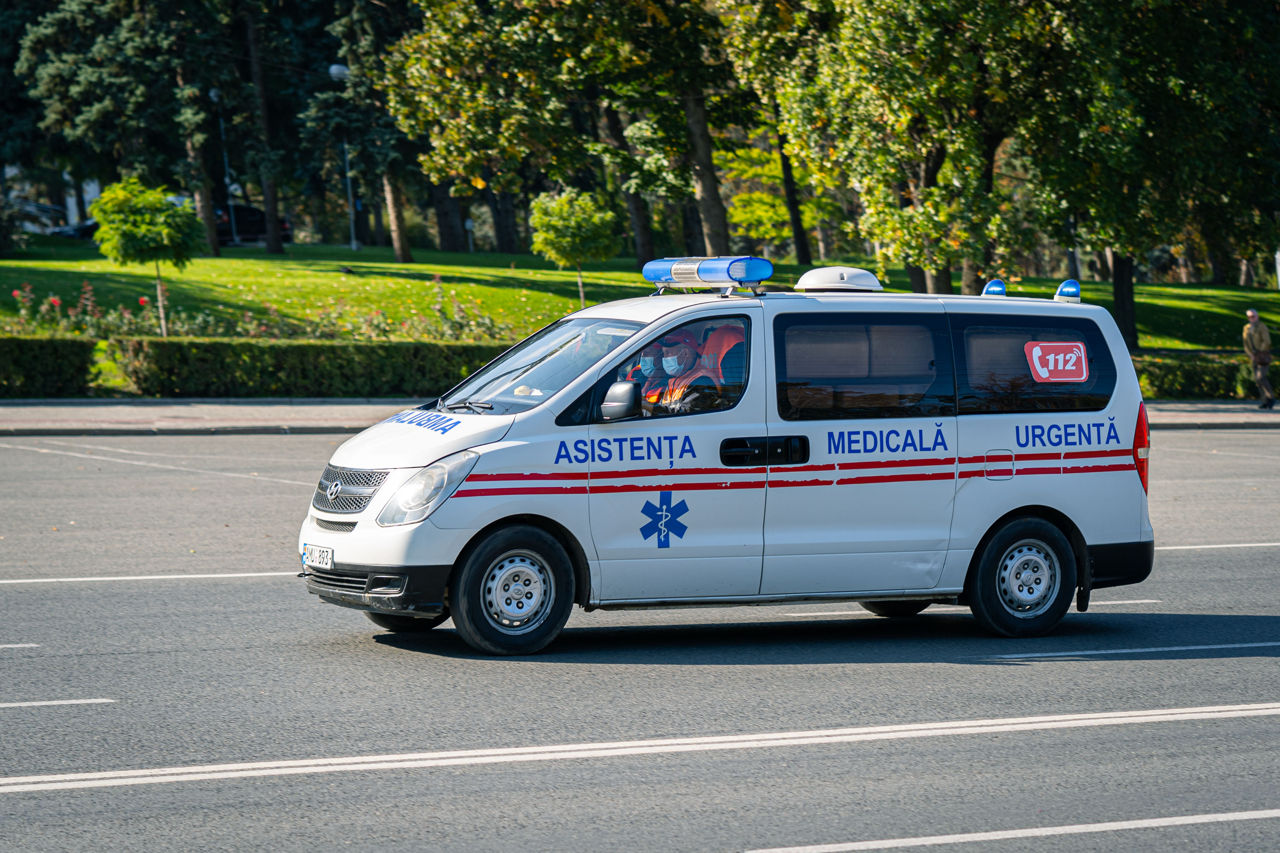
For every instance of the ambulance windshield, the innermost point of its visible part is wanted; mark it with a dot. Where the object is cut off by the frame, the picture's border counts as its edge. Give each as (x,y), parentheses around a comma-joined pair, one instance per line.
(538,367)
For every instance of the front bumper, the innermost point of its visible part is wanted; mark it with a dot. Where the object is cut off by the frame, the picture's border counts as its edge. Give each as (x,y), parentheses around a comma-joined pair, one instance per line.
(400,590)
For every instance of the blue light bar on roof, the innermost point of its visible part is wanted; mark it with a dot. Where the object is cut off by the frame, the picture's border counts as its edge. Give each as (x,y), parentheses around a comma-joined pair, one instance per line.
(995,287)
(726,270)
(1068,291)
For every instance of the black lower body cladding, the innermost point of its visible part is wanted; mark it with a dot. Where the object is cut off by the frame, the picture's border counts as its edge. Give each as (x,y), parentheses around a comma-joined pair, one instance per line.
(1121,564)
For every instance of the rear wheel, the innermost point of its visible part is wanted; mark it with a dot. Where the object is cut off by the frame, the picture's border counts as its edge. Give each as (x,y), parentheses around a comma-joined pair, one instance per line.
(1025,580)
(514,592)
(894,609)
(405,624)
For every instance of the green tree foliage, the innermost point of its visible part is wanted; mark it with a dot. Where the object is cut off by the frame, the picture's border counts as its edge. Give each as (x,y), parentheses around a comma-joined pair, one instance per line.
(571,228)
(137,225)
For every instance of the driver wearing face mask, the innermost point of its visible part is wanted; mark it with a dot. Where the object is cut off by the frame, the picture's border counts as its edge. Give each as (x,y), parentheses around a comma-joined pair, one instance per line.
(649,373)
(690,387)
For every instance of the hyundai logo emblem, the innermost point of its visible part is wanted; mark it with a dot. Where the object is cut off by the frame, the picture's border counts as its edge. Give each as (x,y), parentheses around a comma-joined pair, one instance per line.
(335,489)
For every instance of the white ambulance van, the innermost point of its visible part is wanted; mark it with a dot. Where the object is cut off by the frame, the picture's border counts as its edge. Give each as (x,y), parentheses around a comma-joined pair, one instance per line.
(735,446)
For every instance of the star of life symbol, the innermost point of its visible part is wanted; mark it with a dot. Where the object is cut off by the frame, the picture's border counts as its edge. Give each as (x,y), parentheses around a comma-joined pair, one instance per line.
(664,519)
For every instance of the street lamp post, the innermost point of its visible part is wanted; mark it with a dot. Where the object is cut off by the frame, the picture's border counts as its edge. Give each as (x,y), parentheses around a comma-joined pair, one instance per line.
(215,96)
(339,74)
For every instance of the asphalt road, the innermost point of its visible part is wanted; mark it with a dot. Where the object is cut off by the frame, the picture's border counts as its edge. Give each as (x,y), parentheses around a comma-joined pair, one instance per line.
(234,699)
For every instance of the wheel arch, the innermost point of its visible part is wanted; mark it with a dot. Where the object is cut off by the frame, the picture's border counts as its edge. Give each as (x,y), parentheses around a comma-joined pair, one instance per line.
(1053,516)
(577,556)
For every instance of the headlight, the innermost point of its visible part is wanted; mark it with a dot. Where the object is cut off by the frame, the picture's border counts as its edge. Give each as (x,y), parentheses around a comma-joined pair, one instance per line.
(426,490)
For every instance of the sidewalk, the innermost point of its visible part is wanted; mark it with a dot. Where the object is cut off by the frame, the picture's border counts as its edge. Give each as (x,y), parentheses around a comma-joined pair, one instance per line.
(269,416)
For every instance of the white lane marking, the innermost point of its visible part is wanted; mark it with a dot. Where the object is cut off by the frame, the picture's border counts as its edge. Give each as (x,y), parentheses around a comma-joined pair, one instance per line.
(150,464)
(1035,832)
(132,452)
(475,757)
(1211,547)
(1133,651)
(153,577)
(1217,452)
(19,646)
(57,702)
(955,608)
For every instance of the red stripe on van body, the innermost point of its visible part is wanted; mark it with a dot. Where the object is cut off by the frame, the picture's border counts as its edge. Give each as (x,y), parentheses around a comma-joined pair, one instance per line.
(516,490)
(678,487)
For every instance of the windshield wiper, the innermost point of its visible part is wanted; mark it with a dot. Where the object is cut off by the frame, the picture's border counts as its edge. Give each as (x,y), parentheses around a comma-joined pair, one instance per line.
(477,406)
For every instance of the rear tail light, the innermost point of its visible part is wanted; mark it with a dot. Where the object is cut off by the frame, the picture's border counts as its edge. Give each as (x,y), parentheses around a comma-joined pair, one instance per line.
(1142,445)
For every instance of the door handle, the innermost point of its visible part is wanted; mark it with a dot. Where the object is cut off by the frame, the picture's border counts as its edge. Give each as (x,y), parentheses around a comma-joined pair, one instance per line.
(743,451)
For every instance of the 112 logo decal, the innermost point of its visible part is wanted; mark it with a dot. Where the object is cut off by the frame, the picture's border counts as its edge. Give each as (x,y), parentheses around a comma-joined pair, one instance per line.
(664,519)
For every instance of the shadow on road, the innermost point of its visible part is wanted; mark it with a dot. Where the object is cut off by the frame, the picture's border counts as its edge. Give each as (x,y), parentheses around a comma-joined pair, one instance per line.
(951,638)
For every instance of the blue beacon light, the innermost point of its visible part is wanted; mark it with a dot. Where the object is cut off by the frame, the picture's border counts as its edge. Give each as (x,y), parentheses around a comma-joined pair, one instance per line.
(1068,291)
(995,287)
(721,271)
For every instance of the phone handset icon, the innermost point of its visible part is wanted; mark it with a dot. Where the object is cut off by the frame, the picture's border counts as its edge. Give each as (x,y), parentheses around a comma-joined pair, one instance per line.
(1041,369)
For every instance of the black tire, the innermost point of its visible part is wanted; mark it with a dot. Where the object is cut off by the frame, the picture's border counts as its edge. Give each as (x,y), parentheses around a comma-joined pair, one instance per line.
(405,624)
(485,612)
(894,609)
(1025,579)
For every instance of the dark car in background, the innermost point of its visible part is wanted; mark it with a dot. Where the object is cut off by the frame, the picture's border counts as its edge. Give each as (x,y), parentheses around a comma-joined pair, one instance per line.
(84,230)
(251,225)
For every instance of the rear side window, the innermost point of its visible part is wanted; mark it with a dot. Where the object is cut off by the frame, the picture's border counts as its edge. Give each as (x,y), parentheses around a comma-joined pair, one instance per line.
(1031,364)
(844,366)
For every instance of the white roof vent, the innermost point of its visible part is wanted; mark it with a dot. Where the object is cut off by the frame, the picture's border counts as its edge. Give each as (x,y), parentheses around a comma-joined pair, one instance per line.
(838,279)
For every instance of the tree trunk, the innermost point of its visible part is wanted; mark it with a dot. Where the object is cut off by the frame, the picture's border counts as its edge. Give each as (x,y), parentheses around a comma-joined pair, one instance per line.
(715,220)
(164,326)
(971,278)
(449,228)
(379,231)
(939,281)
(799,236)
(503,210)
(582,294)
(1104,264)
(917,278)
(1122,291)
(202,191)
(395,215)
(637,208)
(270,203)
(694,241)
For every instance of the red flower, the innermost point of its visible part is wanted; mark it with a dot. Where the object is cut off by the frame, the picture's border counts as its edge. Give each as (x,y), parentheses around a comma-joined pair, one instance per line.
(144,301)
(17,293)
(55,302)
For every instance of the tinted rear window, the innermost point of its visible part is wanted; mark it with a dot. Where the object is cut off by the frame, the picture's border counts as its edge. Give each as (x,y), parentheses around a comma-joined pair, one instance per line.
(1031,364)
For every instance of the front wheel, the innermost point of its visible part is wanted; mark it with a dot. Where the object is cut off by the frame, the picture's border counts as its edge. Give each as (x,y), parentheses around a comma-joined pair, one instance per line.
(514,592)
(1024,582)
(404,624)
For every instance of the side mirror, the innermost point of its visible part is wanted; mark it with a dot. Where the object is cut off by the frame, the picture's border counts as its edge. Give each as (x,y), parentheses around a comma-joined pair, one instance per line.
(621,401)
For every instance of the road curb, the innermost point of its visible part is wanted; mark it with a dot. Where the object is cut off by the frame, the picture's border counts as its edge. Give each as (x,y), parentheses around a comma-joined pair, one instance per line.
(220,430)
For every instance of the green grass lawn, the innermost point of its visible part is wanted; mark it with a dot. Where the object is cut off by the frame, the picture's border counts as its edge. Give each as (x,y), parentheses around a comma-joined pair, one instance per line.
(522,292)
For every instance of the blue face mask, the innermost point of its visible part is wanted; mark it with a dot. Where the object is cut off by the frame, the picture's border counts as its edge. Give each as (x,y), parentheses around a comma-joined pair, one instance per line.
(647,365)
(671,364)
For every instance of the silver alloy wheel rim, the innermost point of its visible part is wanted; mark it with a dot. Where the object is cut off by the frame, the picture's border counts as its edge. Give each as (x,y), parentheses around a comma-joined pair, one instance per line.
(1027,578)
(518,590)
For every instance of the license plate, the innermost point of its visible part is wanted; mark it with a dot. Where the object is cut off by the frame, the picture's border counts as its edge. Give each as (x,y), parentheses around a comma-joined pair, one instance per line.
(317,556)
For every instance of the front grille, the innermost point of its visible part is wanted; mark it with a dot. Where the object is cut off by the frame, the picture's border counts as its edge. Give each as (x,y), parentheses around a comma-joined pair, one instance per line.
(335,526)
(356,489)
(347,582)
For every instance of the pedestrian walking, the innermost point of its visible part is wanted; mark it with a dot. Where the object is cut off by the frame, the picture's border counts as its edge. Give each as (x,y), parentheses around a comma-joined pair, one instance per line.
(1257,345)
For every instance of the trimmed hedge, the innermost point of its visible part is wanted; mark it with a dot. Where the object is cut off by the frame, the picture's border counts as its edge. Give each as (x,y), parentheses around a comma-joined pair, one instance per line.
(235,367)
(45,367)
(1171,374)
